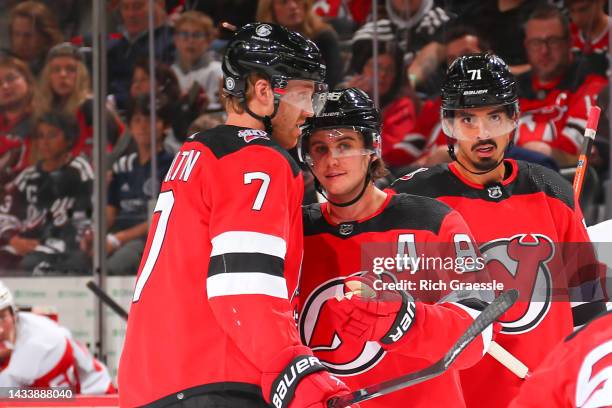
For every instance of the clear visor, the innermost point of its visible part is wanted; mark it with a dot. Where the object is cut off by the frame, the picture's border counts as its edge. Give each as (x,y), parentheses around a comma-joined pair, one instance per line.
(481,123)
(307,96)
(333,143)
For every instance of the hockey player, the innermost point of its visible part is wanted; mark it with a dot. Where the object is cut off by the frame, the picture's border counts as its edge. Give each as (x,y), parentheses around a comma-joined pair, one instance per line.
(212,322)
(37,352)
(523,215)
(576,373)
(363,340)
(48,204)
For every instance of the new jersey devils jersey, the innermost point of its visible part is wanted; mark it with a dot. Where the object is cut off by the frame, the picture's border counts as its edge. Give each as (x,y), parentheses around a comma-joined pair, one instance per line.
(45,355)
(598,45)
(405,224)
(577,373)
(529,229)
(212,301)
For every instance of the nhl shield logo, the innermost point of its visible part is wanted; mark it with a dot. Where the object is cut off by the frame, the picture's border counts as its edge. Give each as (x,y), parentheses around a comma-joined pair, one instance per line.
(494,192)
(345,229)
(263,30)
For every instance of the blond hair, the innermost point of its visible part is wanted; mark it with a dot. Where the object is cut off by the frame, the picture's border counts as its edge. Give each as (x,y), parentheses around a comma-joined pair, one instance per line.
(310,27)
(47,100)
(196,18)
(18,65)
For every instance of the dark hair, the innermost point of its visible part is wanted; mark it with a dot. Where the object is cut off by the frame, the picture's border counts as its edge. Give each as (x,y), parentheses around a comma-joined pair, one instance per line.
(141,104)
(165,79)
(458,31)
(546,12)
(67,124)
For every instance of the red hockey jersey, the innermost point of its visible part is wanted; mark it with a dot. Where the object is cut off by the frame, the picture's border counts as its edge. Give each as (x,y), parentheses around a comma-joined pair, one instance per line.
(598,45)
(333,252)
(576,373)
(523,226)
(556,113)
(212,302)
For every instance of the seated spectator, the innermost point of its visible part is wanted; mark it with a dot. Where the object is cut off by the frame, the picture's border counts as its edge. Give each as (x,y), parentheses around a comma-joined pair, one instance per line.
(33,30)
(131,189)
(400,145)
(195,67)
(589,27)
(65,86)
(133,45)
(48,204)
(556,94)
(297,15)
(16,95)
(37,352)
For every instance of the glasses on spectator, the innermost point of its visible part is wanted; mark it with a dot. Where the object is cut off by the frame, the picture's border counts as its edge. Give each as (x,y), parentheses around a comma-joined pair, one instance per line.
(196,35)
(9,79)
(549,42)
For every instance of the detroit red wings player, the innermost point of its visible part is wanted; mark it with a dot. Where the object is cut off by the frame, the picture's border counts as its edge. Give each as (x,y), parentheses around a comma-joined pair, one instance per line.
(577,373)
(37,352)
(524,217)
(363,340)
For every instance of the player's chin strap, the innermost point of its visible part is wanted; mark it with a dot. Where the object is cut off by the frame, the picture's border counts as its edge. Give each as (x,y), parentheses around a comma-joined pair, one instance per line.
(453,156)
(267,119)
(319,188)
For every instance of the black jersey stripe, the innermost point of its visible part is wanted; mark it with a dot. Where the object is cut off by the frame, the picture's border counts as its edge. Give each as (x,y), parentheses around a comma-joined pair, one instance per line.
(246,262)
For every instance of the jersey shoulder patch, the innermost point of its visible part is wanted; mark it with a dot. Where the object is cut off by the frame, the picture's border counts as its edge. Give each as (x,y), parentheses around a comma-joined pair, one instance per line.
(224,140)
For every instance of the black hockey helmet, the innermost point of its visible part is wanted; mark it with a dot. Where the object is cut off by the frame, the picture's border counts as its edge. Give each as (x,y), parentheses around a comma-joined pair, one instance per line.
(478,80)
(272,50)
(349,108)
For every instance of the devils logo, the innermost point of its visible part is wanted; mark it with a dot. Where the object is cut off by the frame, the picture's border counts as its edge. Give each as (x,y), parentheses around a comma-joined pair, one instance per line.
(521,262)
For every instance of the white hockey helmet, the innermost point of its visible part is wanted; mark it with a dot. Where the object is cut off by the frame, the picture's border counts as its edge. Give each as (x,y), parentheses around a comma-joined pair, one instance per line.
(6,297)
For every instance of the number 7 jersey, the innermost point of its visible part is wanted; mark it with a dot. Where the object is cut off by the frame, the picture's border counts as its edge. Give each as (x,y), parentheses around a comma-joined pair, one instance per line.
(213,297)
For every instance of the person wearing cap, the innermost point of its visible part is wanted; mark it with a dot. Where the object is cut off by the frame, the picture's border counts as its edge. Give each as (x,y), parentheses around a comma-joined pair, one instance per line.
(378,333)
(64,85)
(47,204)
(37,352)
(212,319)
(524,216)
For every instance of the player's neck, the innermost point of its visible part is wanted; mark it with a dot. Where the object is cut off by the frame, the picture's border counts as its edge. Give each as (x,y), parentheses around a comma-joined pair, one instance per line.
(243,120)
(373,198)
(494,176)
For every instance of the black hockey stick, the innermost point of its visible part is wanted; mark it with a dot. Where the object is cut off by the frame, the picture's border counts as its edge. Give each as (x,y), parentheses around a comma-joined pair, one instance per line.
(488,316)
(106,299)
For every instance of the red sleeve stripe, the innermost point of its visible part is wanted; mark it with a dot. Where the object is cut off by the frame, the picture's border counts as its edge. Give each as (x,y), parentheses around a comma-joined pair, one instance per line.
(487,334)
(246,283)
(248,242)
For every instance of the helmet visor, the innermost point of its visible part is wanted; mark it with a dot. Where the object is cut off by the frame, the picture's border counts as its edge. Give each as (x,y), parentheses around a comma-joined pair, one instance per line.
(334,143)
(478,123)
(308,96)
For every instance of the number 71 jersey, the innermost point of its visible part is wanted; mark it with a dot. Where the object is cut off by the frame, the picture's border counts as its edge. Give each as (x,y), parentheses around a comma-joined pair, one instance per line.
(213,298)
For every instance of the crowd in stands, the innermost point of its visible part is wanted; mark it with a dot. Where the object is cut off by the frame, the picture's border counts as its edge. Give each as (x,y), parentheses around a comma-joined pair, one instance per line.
(557,49)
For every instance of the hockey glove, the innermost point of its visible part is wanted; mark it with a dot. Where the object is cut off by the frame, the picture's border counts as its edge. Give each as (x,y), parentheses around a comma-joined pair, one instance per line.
(369,315)
(303,382)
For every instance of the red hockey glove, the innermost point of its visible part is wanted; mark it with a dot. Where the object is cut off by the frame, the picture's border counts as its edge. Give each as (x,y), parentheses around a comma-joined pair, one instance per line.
(303,382)
(366,314)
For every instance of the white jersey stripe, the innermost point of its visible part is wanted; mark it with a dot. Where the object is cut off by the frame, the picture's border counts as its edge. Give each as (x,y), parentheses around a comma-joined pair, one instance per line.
(246,283)
(248,242)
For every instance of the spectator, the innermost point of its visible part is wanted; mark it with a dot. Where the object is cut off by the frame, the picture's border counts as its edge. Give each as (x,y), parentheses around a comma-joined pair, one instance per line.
(556,94)
(65,86)
(195,67)
(590,26)
(131,188)
(297,15)
(134,44)
(48,204)
(44,354)
(400,146)
(33,30)
(16,95)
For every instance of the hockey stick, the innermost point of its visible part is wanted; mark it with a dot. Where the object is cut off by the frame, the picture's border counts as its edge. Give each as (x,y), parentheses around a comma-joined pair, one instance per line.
(587,146)
(488,316)
(106,299)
